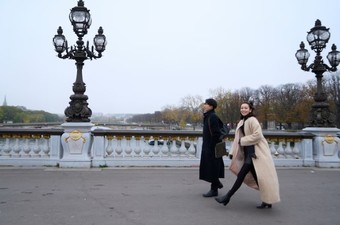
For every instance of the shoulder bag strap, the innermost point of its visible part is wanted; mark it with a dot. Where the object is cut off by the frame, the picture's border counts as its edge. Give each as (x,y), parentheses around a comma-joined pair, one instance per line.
(209,126)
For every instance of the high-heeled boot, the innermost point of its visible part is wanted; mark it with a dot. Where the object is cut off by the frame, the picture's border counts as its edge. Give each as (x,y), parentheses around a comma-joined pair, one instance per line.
(264,205)
(210,193)
(224,199)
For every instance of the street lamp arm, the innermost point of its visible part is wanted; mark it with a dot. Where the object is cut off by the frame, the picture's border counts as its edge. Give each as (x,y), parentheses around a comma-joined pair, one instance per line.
(90,53)
(67,55)
(307,68)
(75,54)
(71,52)
(315,66)
(330,68)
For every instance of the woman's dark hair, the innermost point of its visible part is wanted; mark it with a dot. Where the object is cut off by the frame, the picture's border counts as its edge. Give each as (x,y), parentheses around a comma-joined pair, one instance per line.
(251,106)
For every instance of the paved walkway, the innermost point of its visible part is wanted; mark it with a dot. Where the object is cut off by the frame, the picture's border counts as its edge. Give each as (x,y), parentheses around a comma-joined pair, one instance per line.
(160,196)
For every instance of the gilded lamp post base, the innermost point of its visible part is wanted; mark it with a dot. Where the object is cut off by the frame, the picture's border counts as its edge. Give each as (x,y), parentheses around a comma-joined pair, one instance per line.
(76,143)
(326,147)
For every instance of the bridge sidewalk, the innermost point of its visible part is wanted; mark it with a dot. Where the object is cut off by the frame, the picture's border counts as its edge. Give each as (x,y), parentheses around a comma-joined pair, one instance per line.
(159,196)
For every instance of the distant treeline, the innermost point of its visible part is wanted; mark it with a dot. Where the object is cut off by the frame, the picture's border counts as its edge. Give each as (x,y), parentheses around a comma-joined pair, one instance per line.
(19,114)
(286,106)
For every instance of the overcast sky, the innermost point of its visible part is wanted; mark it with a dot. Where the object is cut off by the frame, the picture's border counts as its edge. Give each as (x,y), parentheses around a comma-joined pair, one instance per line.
(158,51)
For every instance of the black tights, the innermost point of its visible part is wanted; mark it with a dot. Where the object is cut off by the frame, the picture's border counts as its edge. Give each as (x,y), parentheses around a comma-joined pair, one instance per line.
(247,167)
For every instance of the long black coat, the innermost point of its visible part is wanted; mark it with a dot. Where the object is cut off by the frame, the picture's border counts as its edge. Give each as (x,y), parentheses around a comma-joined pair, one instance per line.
(211,168)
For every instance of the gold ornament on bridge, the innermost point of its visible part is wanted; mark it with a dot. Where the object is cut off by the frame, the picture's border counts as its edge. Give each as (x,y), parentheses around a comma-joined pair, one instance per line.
(329,139)
(75,136)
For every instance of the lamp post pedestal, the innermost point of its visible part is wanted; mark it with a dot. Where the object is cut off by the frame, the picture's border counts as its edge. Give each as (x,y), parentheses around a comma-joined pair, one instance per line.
(326,146)
(76,141)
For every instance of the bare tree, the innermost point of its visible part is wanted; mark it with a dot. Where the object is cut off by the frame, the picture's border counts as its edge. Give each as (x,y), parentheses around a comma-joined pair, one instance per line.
(287,98)
(265,97)
(191,110)
(229,104)
(170,115)
(222,98)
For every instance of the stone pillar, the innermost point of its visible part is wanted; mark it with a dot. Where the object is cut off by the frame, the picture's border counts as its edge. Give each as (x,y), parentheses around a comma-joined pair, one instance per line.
(98,151)
(307,152)
(326,146)
(76,142)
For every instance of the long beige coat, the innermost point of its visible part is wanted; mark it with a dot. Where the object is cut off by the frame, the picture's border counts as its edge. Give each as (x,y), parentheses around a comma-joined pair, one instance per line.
(264,164)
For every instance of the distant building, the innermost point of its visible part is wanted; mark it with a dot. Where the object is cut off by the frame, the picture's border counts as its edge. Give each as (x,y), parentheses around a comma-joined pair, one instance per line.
(5,102)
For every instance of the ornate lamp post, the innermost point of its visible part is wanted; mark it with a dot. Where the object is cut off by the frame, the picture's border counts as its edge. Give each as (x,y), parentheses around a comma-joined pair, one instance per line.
(317,37)
(80,18)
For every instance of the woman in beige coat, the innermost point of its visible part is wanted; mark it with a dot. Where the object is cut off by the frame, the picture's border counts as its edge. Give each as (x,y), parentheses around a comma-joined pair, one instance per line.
(252,161)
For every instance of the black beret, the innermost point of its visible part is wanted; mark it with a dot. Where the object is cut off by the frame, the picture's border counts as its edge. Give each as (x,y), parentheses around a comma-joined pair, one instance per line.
(212,102)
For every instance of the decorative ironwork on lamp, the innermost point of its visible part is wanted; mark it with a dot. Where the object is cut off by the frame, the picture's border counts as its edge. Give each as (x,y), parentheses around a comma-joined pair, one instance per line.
(318,37)
(80,18)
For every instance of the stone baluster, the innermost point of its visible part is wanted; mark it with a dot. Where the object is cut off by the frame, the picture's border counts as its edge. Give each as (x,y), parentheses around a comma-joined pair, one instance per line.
(109,148)
(280,149)
(45,146)
(191,149)
(296,149)
(182,149)
(36,147)
(288,150)
(155,147)
(127,146)
(6,150)
(118,147)
(16,149)
(147,146)
(165,148)
(199,143)
(274,151)
(173,148)
(142,146)
(26,148)
(137,146)
(272,147)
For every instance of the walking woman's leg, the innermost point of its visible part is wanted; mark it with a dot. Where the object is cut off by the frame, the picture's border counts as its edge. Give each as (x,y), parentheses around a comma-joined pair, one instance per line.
(240,178)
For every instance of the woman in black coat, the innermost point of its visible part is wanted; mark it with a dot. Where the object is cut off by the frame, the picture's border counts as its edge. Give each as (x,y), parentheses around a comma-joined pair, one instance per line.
(211,168)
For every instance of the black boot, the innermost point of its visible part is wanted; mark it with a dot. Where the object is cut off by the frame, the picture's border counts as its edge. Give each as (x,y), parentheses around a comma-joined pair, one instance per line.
(264,205)
(210,193)
(224,199)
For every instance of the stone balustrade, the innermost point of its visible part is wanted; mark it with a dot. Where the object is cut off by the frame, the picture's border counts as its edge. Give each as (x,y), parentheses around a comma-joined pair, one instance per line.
(117,148)
(30,147)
